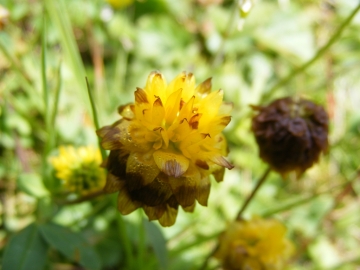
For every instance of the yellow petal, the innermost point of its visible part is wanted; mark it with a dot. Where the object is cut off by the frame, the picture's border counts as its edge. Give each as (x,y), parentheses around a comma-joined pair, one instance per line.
(142,165)
(127,111)
(158,112)
(204,88)
(140,96)
(170,163)
(156,86)
(172,107)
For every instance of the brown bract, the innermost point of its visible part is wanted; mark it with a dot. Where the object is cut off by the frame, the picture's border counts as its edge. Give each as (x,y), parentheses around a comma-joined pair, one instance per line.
(291,134)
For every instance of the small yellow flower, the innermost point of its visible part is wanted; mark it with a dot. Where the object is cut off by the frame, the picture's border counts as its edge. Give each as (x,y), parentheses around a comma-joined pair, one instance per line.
(166,146)
(120,3)
(79,169)
(257,244)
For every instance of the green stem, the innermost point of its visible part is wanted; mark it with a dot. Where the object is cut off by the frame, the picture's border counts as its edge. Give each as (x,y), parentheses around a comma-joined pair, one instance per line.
(43,75)
(241,211)
(56,107)
(84,198)
(125,241)
(253,193)
(96,120)
(304,200)
(198,241)
(204,265)
(320,52)
(141,247)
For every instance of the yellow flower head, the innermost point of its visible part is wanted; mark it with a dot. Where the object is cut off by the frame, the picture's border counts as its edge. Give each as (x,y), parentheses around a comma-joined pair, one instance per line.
(79,169)
(166,145)
(257,244)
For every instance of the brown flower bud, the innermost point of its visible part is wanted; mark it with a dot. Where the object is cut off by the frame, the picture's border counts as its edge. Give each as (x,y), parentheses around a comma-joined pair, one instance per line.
(291,134)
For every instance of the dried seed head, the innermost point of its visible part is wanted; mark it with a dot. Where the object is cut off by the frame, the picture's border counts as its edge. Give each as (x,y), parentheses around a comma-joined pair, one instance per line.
(291,134)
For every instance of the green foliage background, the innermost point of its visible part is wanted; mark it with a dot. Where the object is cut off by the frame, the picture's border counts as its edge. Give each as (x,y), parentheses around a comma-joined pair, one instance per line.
(308,48)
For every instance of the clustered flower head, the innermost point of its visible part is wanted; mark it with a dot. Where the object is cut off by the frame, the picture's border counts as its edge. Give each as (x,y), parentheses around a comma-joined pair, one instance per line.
(291,134)
(165,147)
(79,169)
(256,244)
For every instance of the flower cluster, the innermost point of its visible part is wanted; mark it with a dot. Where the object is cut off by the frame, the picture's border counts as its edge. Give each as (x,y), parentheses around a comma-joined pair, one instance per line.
(257,244)
(291,134)
(165,147)
(79,169)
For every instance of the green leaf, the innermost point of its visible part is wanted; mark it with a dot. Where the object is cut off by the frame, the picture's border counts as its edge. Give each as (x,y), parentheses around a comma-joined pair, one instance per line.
(26,248)
(32,184)
(158,243)
(71,244)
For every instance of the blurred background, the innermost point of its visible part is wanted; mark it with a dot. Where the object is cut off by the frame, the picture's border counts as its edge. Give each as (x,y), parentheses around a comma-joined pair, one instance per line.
(255,50)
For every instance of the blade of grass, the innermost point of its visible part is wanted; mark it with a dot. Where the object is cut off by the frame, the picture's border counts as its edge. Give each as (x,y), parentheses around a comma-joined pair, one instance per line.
(43,75)
(56,106)
(96,120)
(59,15)
(200,239)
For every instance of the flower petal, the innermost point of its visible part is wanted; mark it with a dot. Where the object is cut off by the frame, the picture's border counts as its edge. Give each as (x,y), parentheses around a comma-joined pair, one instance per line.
(220,160)
(184,188)
(169,216)
(190,208)
(113,183)
(158,112)
(204,88)
(155,193)
(140,96)
(127,111)
(154,212)
(203,191)
(125,204)
(142,166)
(170,163)
(219,174)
